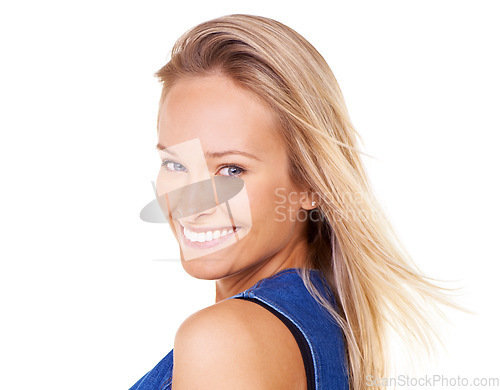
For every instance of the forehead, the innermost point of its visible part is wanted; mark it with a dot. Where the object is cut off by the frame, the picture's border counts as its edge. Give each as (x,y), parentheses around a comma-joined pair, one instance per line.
(217,112)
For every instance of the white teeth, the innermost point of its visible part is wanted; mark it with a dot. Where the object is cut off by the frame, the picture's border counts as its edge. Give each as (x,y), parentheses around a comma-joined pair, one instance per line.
(205,236)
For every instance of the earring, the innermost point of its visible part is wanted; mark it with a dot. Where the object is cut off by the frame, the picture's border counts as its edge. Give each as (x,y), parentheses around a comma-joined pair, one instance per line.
(313,203)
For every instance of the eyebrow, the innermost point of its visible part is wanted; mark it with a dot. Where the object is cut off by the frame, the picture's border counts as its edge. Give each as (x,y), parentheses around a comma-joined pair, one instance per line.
(214,154)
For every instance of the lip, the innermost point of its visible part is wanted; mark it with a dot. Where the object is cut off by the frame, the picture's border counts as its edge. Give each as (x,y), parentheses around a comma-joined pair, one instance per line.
(206,244)
(206,228)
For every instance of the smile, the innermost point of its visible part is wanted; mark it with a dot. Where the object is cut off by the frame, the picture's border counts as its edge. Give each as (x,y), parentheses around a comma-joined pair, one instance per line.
(207,238)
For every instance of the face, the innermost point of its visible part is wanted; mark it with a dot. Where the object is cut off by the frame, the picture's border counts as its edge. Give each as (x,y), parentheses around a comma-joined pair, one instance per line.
(223,182)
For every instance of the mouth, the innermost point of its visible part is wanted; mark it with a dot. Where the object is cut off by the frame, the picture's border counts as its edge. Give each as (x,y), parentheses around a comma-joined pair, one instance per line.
(206,238)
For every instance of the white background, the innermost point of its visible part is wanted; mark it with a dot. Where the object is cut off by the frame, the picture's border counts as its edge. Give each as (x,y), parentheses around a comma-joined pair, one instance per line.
(83,302)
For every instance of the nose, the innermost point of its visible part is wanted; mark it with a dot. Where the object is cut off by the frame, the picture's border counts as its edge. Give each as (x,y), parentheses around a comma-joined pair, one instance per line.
(192,199)
(200,196)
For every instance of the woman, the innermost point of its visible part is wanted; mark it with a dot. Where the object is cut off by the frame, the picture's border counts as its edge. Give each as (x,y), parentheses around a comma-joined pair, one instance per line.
(264,188)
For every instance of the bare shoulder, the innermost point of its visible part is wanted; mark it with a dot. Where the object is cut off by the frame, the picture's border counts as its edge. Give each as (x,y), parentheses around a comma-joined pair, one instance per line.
(236,344)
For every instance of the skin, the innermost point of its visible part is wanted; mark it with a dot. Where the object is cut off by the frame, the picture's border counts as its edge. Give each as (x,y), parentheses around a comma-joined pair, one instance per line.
(210,344)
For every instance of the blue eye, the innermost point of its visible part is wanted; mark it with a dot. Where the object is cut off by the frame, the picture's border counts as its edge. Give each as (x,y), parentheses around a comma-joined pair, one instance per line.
(173,166)
(233,170)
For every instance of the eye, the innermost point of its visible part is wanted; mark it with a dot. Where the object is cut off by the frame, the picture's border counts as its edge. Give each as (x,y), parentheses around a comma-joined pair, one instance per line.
(232,170)
(173,166)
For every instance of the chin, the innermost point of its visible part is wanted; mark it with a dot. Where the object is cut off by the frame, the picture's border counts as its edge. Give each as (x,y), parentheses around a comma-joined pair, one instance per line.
(210,268)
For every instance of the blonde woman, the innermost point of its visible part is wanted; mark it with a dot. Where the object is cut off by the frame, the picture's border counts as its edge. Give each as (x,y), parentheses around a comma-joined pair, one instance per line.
(263,186)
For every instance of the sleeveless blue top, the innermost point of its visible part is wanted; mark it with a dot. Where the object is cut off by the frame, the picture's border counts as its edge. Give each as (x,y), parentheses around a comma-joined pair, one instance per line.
(318,336)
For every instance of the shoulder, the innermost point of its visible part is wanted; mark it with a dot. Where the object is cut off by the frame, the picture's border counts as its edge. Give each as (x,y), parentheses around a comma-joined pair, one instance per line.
(236,342)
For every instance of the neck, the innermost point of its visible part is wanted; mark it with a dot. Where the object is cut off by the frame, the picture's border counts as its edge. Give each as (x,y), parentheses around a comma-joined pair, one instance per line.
(289,257)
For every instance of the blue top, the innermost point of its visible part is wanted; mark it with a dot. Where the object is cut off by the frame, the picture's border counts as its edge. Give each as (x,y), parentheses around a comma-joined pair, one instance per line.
(318,336)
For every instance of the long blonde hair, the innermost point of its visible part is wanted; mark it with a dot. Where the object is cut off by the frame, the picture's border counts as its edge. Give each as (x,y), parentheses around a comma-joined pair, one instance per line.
(375,282)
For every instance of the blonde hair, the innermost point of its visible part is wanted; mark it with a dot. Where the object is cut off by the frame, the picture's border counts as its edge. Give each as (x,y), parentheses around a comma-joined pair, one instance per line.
(375,282)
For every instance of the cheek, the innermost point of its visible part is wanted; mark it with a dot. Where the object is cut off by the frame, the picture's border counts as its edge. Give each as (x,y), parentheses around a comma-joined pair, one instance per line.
(273,208)
(262,200)
(241,209)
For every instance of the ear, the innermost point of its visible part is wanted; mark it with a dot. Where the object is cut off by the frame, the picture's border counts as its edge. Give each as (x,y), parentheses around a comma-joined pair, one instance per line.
(309,200)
